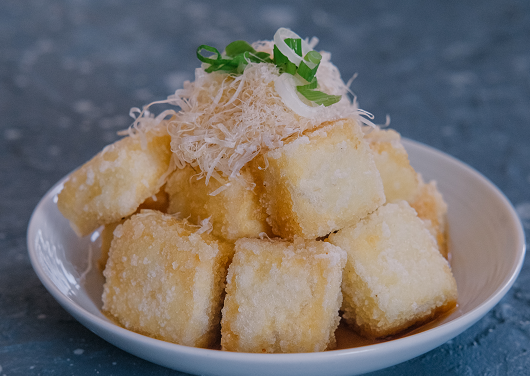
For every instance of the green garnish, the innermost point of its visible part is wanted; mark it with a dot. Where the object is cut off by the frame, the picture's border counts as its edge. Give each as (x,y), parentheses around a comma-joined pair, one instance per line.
(319,97)
(239,53)
(309,69)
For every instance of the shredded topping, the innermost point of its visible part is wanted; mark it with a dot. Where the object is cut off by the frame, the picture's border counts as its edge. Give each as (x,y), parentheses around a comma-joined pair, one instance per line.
(224,121)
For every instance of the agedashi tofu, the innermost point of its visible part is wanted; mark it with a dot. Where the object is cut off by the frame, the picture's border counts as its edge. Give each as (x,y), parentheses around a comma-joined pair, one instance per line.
(282,297)
(106,235)
(400,181)
(235,209)
(431,207)
(394,277)
(116,181)
(320,182)
(247,163)
(166,280)
(156,202)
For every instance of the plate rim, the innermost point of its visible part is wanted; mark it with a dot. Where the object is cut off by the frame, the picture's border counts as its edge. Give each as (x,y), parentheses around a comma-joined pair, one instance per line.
(458,324)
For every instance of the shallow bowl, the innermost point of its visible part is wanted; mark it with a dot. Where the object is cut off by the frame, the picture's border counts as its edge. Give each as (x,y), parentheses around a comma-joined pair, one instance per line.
(487,245)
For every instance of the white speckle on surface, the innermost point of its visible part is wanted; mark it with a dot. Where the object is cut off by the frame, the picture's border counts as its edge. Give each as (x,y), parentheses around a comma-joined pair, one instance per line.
(42,316)
(68,63)
(197,10)
(22,80)
(175,80)
(458,50)
(386,230)
(86,107)
(119,121)
(12,134)
(109,137)
(279,16)
(321,17)
(86,67)
(448,131)
(54,150)
(114,363)
(64,122)
(143,94)
(95,236)
(460,80)
(32,55)
(79,351)
(521,64)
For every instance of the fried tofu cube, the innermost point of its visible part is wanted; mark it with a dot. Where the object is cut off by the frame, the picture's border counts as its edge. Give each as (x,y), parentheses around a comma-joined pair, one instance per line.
(320,182)
(282,297)
(235,211)
(156,202)
(399,178)
(166,279)
(116,181)
(106,235)
(402,182)
(431,207)
(394,277)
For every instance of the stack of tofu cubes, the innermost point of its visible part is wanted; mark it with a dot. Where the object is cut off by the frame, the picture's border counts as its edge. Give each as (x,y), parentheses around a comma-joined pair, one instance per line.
(335,223)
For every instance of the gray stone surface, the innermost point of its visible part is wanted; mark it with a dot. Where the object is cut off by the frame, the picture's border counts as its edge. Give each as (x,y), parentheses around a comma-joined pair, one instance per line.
(452,74)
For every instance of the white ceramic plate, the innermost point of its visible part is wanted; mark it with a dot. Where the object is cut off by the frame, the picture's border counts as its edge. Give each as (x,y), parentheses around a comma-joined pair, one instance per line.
(487,243)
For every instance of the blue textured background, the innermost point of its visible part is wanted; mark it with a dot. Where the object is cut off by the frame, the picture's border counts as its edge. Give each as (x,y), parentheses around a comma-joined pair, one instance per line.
(452,74)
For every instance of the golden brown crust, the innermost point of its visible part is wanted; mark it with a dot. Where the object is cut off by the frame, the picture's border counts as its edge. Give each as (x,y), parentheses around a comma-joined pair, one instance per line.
(431,207)
(320,182)
(115,182)
(282,296)
(166,280)
(394,277)
(235,212)
(399,178)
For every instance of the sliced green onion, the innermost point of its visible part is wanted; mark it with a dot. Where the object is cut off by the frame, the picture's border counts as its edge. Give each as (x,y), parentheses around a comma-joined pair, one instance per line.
(318,97)
(238,55)
(208,60)
(265,57)
(313,57)
(279,58)
(308,67)
(279,40)
(294,44)
(292,55)
(312,85)
(289,68)
(238,47)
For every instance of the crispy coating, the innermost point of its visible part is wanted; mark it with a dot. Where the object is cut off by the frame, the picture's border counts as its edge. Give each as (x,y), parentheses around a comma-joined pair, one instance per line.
(156,202)
(394,277)
(235,212)
(116,181)
(107,234)
(282,296)
(400,181)
(431,207)
(320,182)
(166,280)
